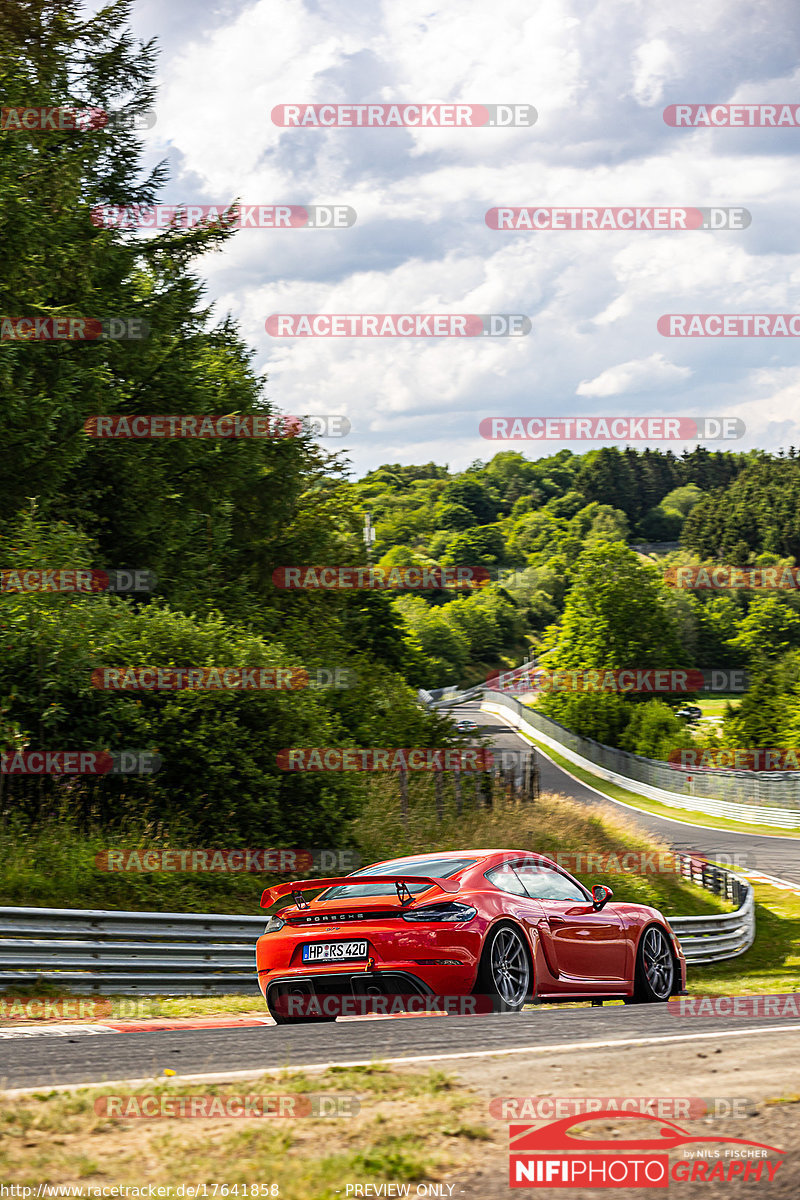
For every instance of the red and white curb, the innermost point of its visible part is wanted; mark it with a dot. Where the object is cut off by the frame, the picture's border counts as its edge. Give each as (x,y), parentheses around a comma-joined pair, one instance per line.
(41,1030)
(781,885)
(177,1025)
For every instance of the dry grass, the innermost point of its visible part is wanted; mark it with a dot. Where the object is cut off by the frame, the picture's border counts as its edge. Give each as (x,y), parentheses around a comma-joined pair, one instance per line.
(410,1127)
(548,825)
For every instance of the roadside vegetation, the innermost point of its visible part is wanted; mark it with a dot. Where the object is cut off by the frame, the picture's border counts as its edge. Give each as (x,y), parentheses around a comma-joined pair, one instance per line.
(57,868)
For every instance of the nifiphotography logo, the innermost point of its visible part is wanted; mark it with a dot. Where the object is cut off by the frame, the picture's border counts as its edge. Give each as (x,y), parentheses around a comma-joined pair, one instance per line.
(553,1157)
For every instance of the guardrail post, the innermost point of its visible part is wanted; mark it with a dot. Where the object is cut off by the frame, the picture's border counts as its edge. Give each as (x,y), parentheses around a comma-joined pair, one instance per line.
(404,796)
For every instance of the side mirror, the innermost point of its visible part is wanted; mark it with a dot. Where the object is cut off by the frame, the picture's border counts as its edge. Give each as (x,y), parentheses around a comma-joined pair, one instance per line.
(600,896)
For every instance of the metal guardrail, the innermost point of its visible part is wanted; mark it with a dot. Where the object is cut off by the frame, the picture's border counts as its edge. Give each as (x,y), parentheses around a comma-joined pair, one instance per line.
(449,696)
(754,797)
(147,953)
(710,939)
(152,953)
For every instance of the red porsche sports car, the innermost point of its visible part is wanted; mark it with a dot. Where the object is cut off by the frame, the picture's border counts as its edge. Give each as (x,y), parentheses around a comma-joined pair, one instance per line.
(505,926)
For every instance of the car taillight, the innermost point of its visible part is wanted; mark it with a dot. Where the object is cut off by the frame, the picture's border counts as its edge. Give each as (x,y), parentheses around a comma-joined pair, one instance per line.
(274,924)
(452,911)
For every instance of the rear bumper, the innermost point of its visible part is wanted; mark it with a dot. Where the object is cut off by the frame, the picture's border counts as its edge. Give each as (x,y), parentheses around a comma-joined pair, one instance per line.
(342,993)
(442,960)
(422,978)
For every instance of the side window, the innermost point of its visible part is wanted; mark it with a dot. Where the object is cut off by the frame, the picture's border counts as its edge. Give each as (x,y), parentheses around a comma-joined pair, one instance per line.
(506,879)
(543,883)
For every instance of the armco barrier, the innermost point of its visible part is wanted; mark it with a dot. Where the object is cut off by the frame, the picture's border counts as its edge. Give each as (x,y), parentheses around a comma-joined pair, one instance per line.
(710,939)
(753,797)
(713,939)
(450,696)
(148,953)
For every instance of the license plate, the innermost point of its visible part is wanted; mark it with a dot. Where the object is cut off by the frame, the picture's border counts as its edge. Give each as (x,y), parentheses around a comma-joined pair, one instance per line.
(333,951)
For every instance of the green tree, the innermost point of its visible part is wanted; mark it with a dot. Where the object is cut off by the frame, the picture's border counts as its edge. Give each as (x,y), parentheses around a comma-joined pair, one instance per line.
(616,614)
(482,545)
(454,516)
(471,495)
(769,629)
(654,730)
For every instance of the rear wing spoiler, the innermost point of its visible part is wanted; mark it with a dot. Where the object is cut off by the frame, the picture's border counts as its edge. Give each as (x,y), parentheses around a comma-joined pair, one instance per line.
(296,889)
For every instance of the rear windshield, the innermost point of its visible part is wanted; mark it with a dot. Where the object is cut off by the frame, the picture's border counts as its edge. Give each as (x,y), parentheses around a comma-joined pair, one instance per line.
(437,868)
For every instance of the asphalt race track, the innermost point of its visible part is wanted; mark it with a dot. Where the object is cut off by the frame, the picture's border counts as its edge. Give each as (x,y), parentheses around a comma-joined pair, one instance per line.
(72,1055)
(75,1057)
(779,856)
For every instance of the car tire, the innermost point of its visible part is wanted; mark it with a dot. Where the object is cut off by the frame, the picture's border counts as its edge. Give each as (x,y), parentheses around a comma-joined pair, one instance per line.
(654,978)
(505,973)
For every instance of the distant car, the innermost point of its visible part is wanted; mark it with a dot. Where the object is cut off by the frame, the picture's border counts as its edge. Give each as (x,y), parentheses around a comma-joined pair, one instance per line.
(507,926)
(691,712)
(466,726)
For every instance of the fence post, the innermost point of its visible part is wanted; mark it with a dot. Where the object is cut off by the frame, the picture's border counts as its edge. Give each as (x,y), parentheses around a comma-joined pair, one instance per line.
(404,796)
(439,800)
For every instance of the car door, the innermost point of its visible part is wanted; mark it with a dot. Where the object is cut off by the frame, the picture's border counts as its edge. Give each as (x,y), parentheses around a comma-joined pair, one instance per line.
(589,947)
(524,909)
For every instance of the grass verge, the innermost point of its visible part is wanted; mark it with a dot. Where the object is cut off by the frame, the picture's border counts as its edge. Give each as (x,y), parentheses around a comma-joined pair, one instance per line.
(772,964)
(410,1127)
(633,800)
(54,865)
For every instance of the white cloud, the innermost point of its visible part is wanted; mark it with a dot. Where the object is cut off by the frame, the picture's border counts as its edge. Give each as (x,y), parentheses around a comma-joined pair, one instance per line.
(634,376)
(655,65)
(598,72)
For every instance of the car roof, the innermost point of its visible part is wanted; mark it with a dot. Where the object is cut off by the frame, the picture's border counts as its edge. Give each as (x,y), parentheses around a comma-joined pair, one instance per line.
(478,854)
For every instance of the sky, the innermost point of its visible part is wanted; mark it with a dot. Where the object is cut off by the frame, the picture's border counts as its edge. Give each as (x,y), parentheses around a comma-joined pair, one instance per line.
(600,74)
